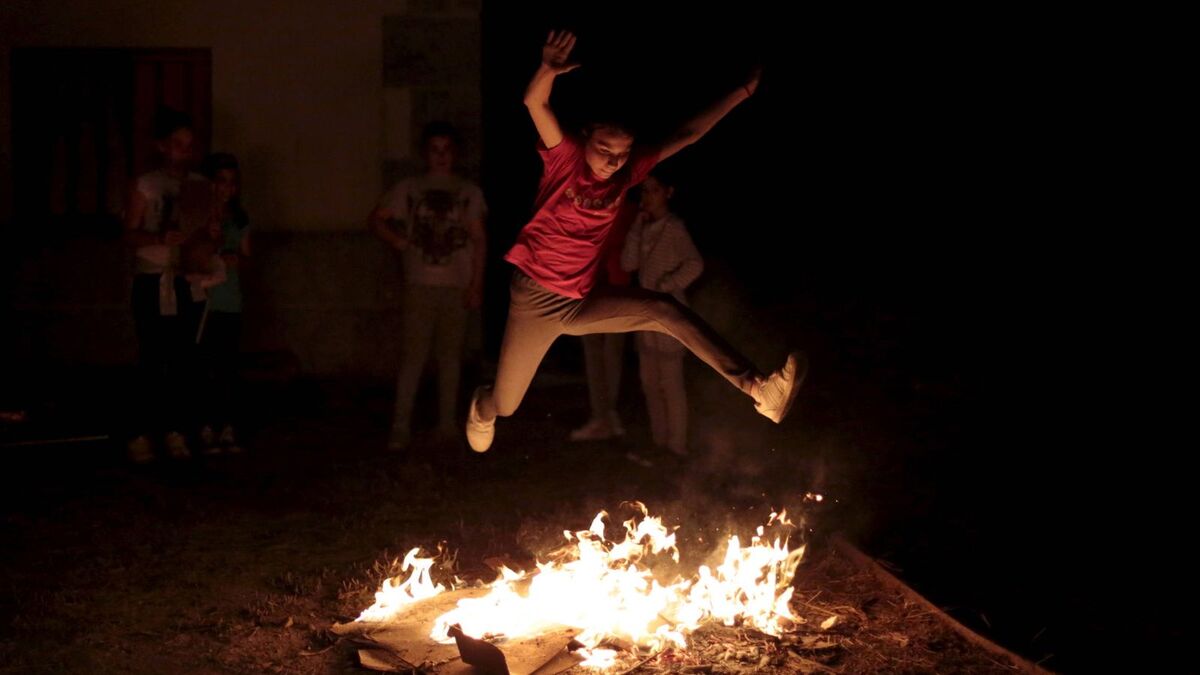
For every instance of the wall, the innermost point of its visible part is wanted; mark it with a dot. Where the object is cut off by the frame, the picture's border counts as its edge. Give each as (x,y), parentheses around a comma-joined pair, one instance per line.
(320,100)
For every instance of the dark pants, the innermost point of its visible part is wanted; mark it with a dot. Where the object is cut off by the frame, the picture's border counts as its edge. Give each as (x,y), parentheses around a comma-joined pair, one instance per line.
(220,355)
(166,374)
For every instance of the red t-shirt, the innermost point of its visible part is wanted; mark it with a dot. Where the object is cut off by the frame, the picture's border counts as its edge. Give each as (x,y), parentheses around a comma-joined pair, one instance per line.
(611,272)
(563,246)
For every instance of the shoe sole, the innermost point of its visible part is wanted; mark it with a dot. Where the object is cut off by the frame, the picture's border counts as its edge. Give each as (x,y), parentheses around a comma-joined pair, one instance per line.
(584,439)
(490,433)
(800,363)
(483,446)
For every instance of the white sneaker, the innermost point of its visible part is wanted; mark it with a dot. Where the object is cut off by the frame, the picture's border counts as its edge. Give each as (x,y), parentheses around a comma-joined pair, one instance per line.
(140,450)
(640,460)
(208,440)
(594,430)
(479,433)
(228,442)
(177,445)
(773,397)
(614,421)
(400,438)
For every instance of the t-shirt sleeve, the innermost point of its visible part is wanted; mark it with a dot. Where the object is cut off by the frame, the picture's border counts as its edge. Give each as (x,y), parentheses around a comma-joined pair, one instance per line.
(643,162)
(560,159)
(614,264)
(476,206)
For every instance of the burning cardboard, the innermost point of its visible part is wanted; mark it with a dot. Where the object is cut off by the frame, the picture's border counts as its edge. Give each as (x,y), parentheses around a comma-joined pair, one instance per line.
(603,593)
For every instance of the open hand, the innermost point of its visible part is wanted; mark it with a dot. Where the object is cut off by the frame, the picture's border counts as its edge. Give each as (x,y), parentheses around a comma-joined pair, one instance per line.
(751,83)
(557,51)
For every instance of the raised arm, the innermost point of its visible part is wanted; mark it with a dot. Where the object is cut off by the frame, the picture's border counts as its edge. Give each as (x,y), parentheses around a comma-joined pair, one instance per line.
(555,54)
(699,125)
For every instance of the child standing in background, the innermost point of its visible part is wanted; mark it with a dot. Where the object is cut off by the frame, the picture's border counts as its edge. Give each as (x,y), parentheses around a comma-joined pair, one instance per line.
(220,330)
(659,249)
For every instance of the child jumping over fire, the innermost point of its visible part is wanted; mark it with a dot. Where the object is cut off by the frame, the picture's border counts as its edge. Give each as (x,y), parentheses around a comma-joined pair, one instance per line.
(558,254)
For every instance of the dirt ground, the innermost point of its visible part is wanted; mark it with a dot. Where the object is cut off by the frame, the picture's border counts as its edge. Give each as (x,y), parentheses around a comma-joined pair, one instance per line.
(241,563)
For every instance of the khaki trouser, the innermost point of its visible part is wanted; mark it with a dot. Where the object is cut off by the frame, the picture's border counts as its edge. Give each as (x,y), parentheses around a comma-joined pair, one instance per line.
(435,320)
(536,317)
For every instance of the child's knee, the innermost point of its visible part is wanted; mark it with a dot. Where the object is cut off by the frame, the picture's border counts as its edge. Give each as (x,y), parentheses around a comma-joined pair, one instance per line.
(666,310)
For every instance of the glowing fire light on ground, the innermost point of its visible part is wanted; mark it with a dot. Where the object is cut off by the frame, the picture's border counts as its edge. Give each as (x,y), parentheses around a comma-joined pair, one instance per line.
(607,590)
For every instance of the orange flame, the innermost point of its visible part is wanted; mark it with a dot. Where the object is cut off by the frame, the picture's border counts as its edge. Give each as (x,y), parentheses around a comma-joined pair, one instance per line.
(607,590)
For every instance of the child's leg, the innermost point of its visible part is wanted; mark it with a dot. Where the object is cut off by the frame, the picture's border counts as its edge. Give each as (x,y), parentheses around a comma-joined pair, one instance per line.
(602,354)
(450,336)
(534,322)
(649,368)
(184,367)
(674,399)
(220,348)
(418,315)
(595,363)
(621,310)
(151,331)
(614,349)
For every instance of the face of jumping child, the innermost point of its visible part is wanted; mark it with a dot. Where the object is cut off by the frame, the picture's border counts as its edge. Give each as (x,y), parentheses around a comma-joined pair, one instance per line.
(606,151)
(178,148)
(440,154)
(655,197)
(225,185)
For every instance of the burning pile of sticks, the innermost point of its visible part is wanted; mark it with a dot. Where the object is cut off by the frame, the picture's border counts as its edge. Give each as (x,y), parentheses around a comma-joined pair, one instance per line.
(597,603)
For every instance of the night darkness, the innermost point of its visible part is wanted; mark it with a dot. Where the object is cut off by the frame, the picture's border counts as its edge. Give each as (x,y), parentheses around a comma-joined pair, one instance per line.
(891,201)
